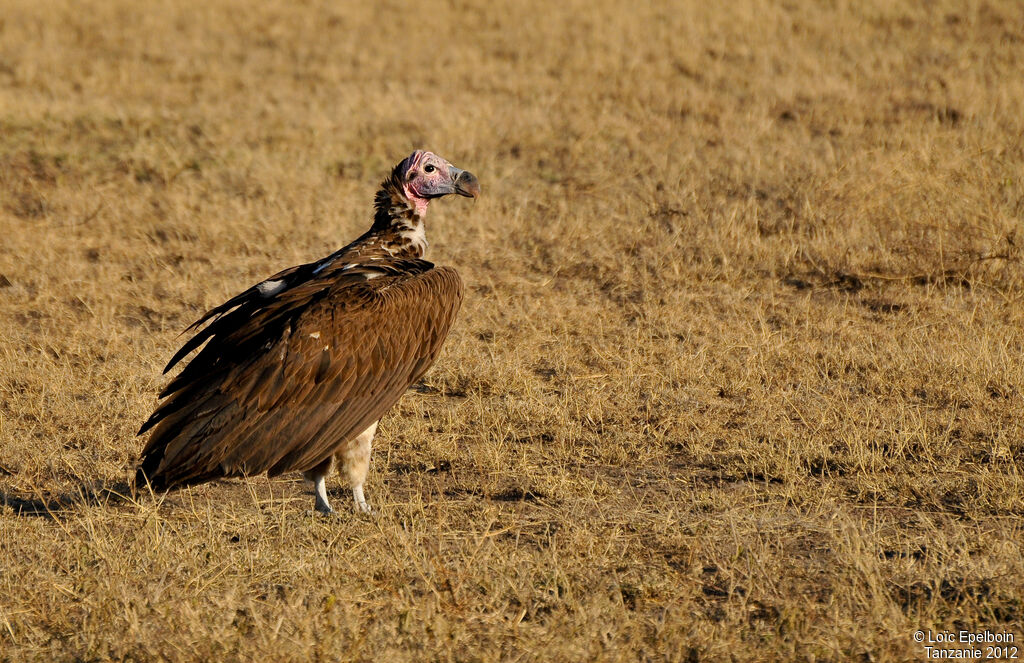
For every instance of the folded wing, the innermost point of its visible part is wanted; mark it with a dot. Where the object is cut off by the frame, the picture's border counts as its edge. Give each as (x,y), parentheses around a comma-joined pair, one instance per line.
(287,378)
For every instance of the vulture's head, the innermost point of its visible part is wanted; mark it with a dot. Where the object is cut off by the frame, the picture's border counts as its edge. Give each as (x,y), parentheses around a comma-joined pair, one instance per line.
(425,176)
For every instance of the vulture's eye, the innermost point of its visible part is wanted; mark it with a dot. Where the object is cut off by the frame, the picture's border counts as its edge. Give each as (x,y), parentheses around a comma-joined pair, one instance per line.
(429,168)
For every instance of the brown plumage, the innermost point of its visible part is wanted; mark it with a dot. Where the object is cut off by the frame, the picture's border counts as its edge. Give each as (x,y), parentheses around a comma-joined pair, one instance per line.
(298,369)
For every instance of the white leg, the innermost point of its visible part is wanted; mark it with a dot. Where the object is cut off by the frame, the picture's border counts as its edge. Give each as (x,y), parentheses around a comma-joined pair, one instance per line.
(355,464)
(318,475)
(361,505)
(322,505)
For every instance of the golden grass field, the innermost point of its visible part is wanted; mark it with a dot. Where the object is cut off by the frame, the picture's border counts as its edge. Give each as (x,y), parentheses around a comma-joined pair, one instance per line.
(738,376)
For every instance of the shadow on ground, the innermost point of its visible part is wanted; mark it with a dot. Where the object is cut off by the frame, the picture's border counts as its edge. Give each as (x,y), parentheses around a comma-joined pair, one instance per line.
(54,507)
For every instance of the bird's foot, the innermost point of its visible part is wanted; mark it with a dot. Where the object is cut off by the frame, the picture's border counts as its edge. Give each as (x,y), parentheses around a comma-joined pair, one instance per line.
(332,514)
(323,509)
(360,502)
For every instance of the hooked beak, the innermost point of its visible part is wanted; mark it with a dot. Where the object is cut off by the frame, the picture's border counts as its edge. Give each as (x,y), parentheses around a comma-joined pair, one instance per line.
(466,183)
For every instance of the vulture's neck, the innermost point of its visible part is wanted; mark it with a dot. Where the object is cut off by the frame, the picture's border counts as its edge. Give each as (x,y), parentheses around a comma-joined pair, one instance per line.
(398,227)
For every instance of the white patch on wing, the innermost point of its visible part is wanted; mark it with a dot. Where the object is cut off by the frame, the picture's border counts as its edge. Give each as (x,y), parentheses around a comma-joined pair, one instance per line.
(270,288)
(323,265)
(349,266)
(370,275)
(315,334)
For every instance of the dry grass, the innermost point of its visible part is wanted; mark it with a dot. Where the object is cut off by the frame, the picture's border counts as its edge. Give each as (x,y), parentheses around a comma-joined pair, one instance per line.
(738,376)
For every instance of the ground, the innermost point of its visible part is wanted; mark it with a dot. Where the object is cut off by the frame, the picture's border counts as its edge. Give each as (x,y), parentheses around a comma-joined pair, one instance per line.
(738,375)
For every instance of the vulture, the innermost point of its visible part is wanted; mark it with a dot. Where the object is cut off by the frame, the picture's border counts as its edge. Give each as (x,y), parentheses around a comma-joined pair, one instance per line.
(297,370)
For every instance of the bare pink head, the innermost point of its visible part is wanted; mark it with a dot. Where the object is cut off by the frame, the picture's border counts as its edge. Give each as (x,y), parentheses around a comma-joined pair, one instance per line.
(424,176)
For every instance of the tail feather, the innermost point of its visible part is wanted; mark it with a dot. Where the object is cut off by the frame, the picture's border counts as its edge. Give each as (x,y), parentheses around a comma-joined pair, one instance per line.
(146,473)
(187,447)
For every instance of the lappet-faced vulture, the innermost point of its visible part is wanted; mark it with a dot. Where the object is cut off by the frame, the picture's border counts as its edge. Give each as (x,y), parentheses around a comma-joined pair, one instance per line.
(297,370)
